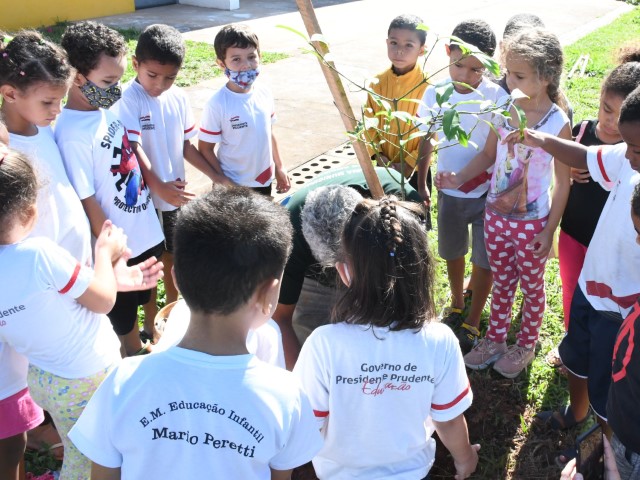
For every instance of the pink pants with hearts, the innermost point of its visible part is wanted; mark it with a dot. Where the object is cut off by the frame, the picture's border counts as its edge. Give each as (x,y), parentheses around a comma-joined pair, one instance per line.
(511,261)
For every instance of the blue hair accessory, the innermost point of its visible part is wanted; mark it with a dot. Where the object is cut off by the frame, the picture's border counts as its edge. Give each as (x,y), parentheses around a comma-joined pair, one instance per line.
(392,254)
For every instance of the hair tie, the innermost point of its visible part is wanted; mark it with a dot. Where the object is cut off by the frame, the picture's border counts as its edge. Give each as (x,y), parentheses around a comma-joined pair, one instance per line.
(5,55)
(21,73)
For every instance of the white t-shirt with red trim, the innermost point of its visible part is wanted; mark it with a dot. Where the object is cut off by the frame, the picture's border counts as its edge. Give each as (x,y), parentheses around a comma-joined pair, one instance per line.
(40,317)
(610,278)
(453,157)
(241,124)
(100,161)
(373,392)
(160,125)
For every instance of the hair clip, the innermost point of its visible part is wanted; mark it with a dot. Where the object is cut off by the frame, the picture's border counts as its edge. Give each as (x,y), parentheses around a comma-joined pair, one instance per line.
(21,73)
(392,254)
(5,55)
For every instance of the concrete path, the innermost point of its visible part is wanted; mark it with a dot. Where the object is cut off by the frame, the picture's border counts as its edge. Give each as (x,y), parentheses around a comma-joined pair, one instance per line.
(308,122)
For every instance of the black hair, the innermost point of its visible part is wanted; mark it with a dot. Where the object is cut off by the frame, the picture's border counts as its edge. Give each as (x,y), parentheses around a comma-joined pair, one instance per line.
(385,246)
(161,43)
(411,23)
(227,243)
(18,187)
(28,58)
(519,22)
(86,41)
(630,109)
(635,200)
(236,35)
(478,33)
(626,76)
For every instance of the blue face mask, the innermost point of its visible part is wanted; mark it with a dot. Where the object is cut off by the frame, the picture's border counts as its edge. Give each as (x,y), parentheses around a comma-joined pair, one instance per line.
(101,97)
(243,79)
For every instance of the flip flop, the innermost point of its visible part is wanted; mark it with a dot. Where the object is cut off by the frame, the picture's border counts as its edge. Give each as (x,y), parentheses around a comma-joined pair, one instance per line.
(562,419)
(553,358)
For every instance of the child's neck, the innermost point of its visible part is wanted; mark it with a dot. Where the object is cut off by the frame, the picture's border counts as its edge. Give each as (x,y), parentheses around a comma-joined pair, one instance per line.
(236,89)
(535,108)
(402,71)
(77,101)
(16,123)
(220,335)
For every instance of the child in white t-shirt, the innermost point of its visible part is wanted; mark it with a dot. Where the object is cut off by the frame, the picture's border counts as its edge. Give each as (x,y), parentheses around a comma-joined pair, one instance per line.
(376,376)
(159,124)
(238,117)
(53,312)
(207,404)
(102,165)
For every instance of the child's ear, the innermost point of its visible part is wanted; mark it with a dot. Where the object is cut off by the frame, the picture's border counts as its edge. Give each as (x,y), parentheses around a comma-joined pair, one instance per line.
(422,50)
(9,93)
(173,277)
(447,49)
(343,271)
(268,296)
(220,63)
(79,79)
(135,63)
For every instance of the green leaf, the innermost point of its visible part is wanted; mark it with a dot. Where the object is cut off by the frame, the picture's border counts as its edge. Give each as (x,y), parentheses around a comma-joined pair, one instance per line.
(463,137)
(418,134)
(422,26)
(522,119)
(450,123)
(489,63)
(444,92)
(404,116)
(297,32)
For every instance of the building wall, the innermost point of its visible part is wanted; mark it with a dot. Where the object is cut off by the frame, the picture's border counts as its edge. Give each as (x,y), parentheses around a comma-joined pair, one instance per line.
(35,13)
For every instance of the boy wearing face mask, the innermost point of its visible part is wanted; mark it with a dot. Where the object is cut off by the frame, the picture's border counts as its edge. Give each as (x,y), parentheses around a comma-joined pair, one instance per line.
(239,116)
(102,165)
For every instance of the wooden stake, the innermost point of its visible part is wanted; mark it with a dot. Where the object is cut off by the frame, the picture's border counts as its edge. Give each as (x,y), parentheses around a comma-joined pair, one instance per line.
(340,97)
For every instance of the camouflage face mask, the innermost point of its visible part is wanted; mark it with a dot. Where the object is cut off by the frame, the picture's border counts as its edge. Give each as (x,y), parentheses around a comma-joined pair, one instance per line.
(101,97)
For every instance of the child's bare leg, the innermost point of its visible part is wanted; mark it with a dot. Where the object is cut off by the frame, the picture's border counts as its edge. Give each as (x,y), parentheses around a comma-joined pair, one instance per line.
(150,311)
(480,285)
(455,272)
(170,289)
(131,343)
(578,396)
(11,456)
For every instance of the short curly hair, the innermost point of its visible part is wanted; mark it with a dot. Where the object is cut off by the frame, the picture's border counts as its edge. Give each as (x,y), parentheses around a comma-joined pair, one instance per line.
(86,41)
(325,212)
(478,33)
(236,35)
(160,43)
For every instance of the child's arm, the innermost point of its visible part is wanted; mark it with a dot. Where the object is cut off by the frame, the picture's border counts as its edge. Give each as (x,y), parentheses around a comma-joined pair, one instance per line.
(281,474)
(541,243)
(566,150)
(195,158)
(100,295)
(172,192)
(95,214)
(206,149)
(283,183)
(478,164)
(425,154)
(455,437)
(98,472)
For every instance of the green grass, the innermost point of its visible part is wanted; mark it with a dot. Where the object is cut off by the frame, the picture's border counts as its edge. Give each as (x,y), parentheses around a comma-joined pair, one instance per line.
(199,63)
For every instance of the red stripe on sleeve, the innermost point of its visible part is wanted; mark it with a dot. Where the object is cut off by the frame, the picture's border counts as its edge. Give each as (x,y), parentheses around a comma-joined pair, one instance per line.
(189,129)
(320,414)
(210,133)
(453,402)
(135,132)
(73,279)
(265,176)
(601,166)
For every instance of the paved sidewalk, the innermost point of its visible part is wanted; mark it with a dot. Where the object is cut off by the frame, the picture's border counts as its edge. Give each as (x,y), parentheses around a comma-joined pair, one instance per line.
(308,122)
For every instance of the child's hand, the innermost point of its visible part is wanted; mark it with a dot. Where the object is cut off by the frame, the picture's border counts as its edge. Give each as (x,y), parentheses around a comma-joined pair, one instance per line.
(283,182)
(465,468)
(446,180)
(541,243)
(142,276)
(174,193)
(111,239)
(580,176)
(530,138)
(424,193)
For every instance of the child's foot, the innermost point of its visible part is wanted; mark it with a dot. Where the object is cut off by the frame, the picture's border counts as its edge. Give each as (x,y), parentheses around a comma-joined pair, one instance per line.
(467,295)
(484,354)
(453,317)
(514,361)
(468,337)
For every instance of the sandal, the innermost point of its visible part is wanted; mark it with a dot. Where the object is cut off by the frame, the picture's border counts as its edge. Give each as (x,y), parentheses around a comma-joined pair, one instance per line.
(562,419)
(553,358)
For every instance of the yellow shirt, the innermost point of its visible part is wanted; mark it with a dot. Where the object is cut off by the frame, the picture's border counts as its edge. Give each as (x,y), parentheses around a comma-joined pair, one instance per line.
(393,86)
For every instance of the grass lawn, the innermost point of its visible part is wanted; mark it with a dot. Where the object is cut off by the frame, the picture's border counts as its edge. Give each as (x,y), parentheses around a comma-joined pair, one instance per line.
(199,63)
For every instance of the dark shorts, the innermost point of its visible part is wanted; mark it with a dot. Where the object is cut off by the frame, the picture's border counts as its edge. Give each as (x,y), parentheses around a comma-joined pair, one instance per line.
(587,348)
(266,191)
(168,222)
(124,314)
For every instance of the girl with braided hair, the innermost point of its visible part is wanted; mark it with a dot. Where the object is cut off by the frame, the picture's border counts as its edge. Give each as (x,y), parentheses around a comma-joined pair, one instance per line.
(384,366)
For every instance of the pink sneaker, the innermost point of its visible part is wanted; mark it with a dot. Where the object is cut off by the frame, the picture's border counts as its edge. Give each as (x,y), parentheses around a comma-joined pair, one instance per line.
(484,354)
(514,361)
